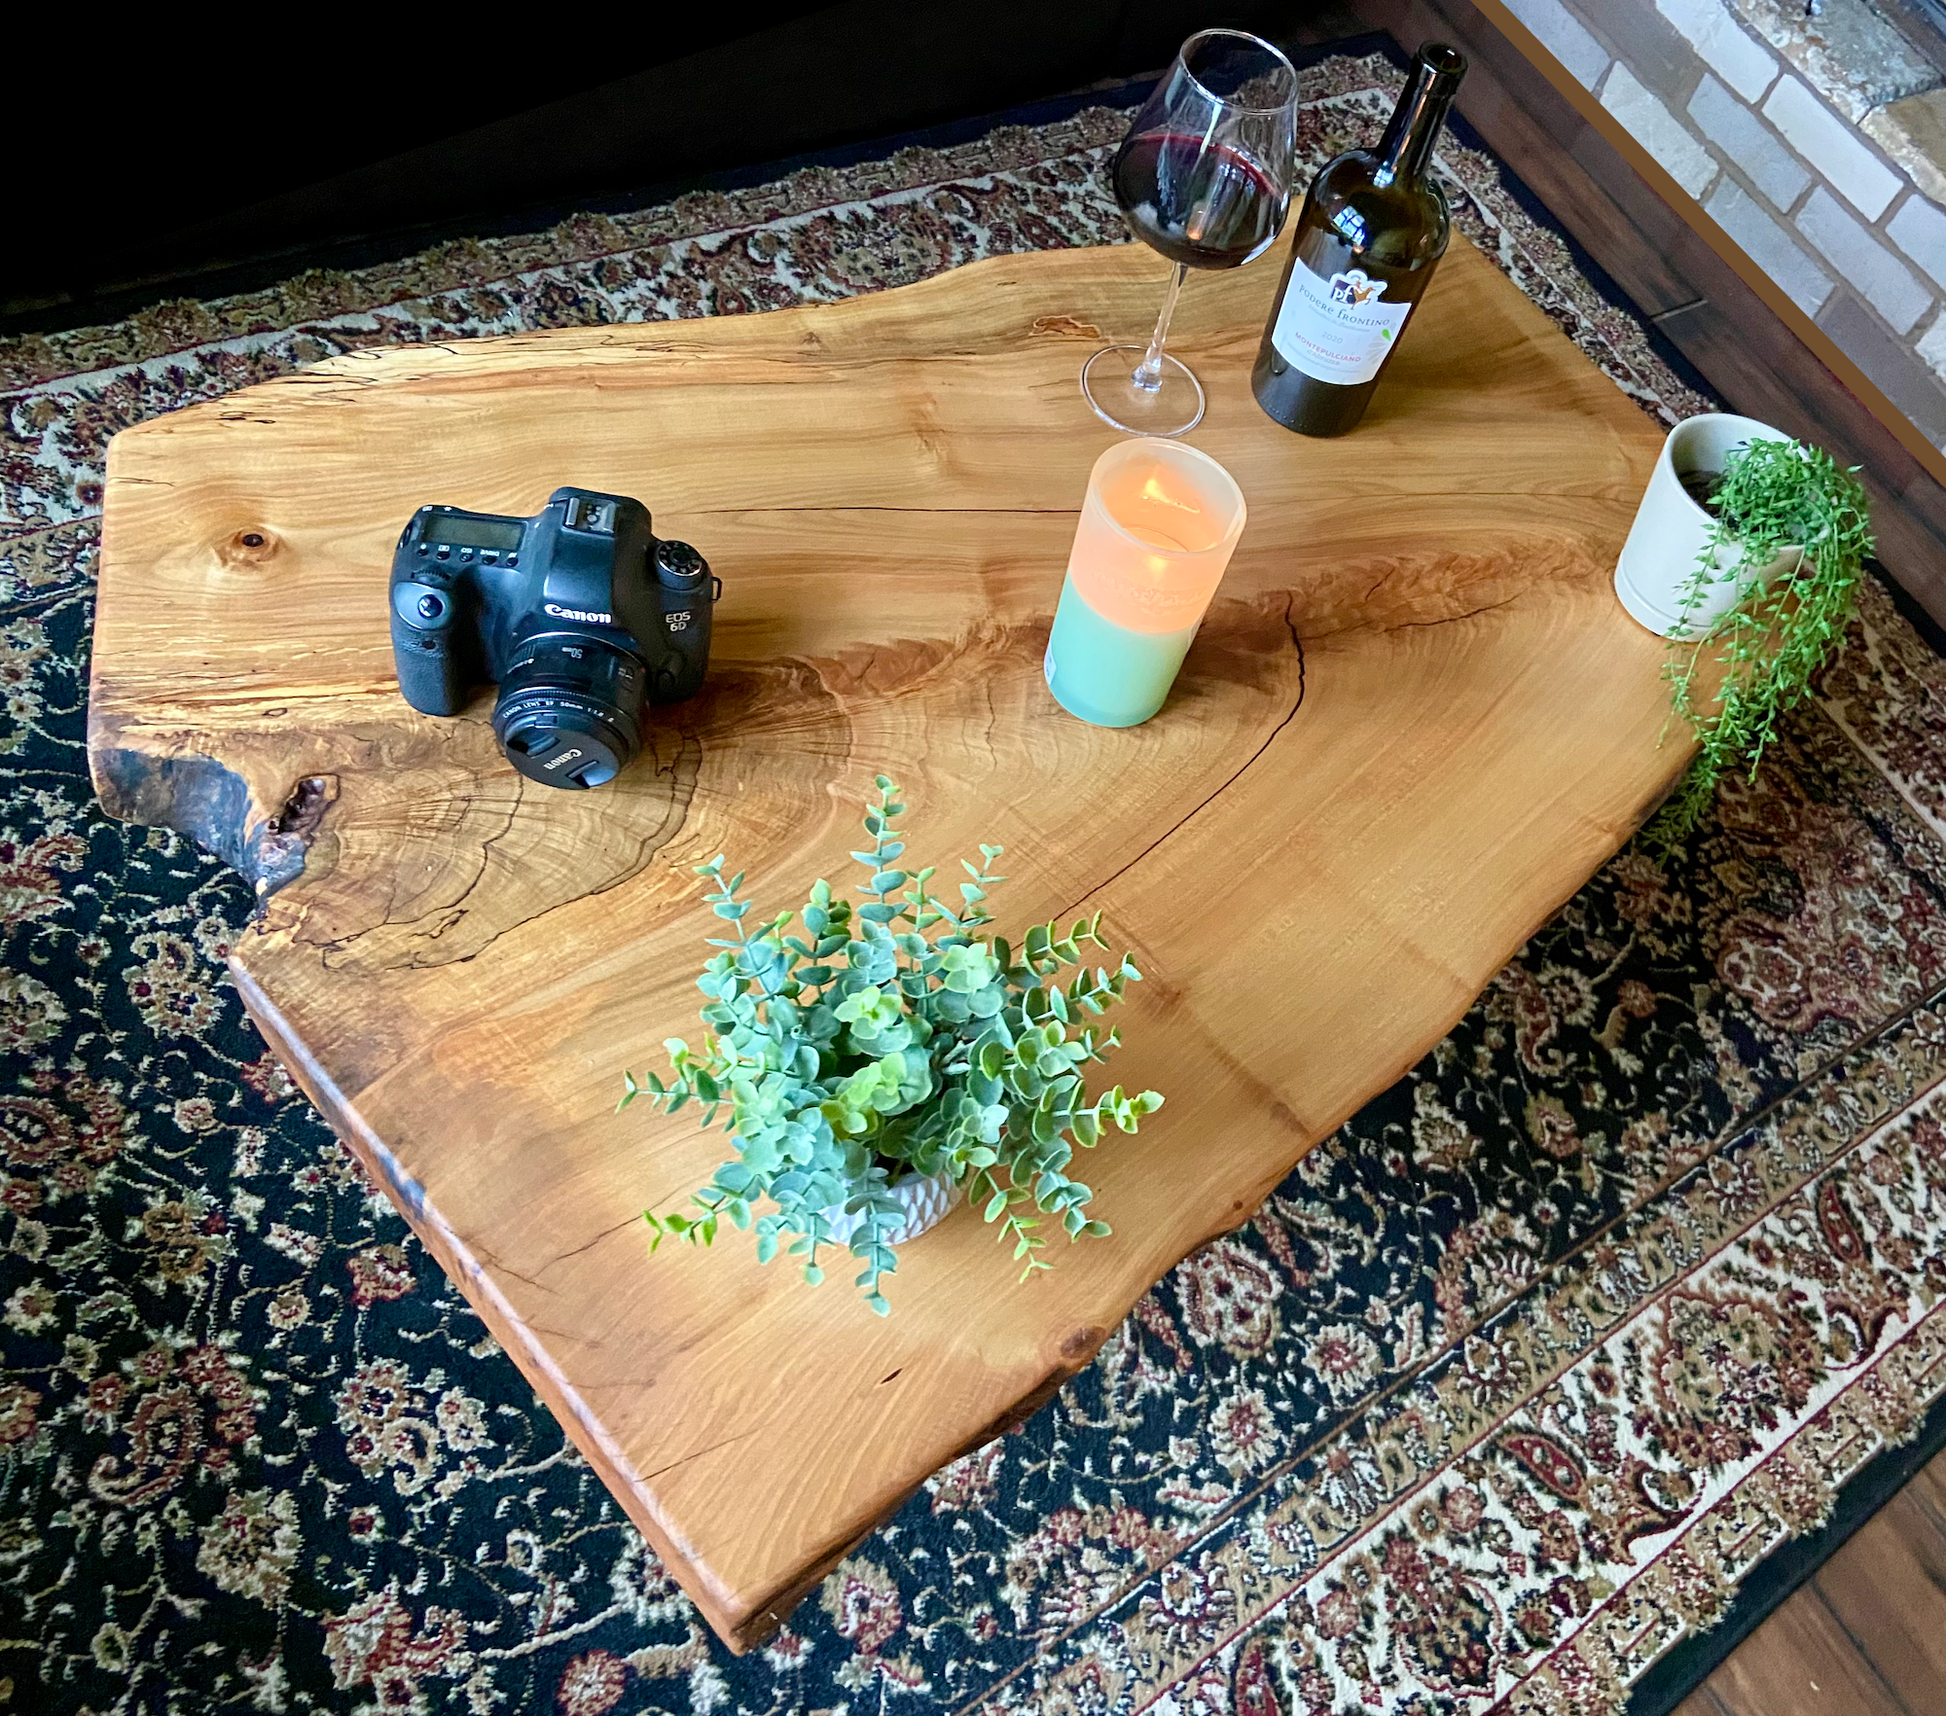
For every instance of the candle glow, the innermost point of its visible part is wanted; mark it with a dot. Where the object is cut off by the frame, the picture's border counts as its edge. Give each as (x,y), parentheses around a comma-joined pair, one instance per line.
(1156,531)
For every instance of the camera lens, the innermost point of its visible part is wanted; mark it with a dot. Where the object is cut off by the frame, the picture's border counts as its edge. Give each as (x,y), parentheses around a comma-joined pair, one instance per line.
(570,710)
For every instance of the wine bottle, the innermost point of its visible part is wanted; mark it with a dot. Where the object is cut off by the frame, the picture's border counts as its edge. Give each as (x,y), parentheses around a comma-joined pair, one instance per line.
(1373,227)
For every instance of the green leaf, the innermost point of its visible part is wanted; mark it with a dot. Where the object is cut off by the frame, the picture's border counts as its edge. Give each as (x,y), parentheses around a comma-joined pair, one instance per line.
(1770,644)
(860,1047)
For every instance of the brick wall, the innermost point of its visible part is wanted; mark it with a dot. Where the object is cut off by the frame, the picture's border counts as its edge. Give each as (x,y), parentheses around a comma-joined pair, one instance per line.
(1817,142)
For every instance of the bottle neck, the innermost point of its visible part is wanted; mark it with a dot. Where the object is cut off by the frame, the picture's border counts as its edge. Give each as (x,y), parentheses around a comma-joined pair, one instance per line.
(1406,148)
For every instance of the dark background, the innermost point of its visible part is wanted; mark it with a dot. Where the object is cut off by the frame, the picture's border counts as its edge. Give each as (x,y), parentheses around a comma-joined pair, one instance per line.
(212,154)
(220,158)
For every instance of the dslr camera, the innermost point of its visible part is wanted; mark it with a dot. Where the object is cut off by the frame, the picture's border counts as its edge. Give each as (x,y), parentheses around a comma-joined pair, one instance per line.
(579,614)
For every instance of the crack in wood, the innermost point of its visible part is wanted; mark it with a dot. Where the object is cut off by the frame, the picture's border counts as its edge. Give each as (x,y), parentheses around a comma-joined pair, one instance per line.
(606,1233)
(1297,644)
(1443,620)
(699,1454)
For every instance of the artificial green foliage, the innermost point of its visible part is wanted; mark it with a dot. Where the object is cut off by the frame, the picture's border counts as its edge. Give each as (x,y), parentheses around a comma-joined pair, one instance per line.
(1774,495)
(890,1037)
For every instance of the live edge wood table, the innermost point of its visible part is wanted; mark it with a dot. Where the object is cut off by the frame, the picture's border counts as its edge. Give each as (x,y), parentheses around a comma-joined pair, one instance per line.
(1415,721)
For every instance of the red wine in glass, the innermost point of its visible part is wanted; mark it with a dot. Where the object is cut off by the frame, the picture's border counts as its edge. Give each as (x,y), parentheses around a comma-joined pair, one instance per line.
(1204,178)
(1204,205)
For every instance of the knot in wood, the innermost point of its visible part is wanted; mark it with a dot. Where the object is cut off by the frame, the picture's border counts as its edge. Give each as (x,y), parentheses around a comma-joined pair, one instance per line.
(250,546)
(1080,1344)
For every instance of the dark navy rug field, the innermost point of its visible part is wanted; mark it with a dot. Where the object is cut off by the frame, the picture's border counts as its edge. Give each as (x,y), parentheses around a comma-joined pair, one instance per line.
(1501,1400)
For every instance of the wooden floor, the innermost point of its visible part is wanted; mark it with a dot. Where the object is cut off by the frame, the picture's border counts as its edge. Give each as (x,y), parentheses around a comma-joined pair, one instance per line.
(1865,1636)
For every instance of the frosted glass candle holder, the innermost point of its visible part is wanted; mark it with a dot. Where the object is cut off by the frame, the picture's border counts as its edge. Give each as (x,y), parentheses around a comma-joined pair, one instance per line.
(1157,529)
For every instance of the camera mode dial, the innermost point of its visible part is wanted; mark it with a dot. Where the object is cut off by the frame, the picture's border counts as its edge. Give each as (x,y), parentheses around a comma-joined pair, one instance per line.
(679,566)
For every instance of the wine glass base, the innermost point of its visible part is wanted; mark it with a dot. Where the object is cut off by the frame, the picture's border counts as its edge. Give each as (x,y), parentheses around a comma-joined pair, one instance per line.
(1174,406)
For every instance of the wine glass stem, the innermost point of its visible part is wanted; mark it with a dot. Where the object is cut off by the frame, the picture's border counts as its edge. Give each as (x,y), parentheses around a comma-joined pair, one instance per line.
(1148,373)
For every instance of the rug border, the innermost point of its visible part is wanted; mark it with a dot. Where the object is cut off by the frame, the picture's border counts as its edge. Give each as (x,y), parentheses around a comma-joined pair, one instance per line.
(1762,1592)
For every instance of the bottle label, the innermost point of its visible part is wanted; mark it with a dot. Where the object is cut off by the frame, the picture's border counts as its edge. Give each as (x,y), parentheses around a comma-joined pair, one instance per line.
(1338,330)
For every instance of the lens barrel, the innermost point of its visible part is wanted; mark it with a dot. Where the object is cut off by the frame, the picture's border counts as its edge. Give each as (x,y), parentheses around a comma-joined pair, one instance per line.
(569,712)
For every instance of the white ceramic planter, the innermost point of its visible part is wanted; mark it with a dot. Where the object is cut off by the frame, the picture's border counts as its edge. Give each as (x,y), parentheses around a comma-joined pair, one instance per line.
(1670,529)
(923,1201)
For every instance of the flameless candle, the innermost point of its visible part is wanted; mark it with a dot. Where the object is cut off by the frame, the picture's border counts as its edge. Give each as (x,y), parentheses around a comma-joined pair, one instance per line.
(1157,529)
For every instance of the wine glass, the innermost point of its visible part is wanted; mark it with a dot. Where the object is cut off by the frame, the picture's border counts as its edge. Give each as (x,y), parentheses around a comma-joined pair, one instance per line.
(1204,176)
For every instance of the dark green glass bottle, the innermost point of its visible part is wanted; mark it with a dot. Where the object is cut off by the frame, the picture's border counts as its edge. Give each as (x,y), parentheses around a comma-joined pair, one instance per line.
(1373,227)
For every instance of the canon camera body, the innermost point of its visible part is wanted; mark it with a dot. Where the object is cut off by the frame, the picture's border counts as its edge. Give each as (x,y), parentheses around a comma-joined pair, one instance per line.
(579,614)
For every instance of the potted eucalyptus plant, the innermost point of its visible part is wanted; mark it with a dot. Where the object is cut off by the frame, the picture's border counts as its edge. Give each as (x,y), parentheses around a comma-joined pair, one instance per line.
(887,1057)
(1746,554)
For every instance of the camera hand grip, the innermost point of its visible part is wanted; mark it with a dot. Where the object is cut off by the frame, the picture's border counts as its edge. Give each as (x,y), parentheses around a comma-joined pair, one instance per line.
(687,629)
(686,590)
(429,673)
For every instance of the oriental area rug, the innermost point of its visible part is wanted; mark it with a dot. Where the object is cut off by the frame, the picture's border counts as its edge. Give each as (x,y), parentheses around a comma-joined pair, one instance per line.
(1521,1393)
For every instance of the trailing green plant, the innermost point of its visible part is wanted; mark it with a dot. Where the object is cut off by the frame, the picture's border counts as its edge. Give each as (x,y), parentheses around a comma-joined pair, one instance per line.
(1773,495)
(889,1037)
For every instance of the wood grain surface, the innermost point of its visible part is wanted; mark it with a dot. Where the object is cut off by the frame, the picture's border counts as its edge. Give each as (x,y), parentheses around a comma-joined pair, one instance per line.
(1415,721)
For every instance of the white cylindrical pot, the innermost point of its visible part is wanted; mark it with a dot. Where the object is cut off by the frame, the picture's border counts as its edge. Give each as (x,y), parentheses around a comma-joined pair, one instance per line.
(923,1201)
(1671,530)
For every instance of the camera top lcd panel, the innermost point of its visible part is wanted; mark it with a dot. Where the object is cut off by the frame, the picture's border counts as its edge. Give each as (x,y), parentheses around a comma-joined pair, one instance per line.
(579,614)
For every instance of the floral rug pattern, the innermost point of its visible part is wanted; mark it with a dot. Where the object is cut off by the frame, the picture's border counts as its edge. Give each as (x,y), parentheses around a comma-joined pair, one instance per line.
(1497,1398)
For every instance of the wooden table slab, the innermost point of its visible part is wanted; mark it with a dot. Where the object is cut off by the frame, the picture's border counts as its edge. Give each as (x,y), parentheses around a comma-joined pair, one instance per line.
(1415,722)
